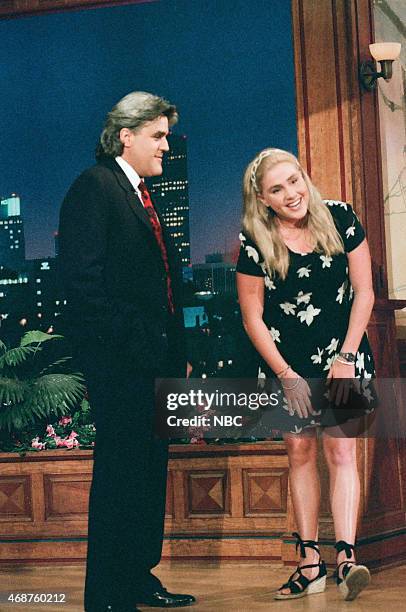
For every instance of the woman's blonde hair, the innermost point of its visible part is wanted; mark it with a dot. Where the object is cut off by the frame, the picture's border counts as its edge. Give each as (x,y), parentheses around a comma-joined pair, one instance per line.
(261,225)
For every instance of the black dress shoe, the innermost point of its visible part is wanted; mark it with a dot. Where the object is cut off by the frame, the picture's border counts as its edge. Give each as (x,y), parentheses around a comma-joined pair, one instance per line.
(162,599)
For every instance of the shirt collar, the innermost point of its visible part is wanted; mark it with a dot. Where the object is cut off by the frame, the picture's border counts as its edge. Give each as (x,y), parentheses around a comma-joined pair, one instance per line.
(130,173)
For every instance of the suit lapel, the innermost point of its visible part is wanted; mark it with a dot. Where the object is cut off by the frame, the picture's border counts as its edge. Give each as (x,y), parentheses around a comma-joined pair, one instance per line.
(137,208)
(131,197)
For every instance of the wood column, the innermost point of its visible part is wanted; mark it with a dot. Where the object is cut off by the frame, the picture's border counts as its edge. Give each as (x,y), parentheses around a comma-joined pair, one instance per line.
(339,144)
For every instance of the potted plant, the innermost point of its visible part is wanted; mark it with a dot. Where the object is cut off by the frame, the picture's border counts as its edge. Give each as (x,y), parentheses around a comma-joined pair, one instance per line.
(37,388)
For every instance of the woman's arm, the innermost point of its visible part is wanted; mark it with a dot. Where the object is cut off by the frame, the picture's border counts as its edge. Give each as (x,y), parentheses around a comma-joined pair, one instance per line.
(359,264)
(251,298)
(360,274)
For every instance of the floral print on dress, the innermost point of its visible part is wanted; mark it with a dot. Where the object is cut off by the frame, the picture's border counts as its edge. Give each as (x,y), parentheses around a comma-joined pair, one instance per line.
(341,292)
(269,284)
(360,362)
(333,346)
(307,313)
(326,261)
(305,271)
(288,308)
(350,231)
(317,358)
(303,298)
(329,362)
(307,316)
(253,253)
(275,334)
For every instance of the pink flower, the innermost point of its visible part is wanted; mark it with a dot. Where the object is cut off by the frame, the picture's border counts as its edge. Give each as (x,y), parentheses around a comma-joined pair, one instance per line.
(70,443)
(35,443)
(65,420)
(50,431)
(73,434)
(197,440)
(58,441)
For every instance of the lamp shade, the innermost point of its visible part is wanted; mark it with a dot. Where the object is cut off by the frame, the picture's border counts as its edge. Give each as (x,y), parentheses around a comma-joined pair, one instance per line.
(385,51)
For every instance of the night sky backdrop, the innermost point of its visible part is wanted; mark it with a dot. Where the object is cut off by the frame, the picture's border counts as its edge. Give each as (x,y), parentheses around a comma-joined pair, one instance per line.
(226,64)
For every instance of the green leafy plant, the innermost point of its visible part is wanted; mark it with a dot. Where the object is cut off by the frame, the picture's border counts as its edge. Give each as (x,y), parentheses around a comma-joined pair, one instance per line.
(32,388)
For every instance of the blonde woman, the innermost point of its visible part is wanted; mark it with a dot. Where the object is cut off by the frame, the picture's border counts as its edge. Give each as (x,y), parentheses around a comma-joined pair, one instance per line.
(305,291)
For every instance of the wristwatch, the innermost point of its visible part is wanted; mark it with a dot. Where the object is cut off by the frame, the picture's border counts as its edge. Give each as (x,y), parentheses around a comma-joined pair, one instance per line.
(350,357)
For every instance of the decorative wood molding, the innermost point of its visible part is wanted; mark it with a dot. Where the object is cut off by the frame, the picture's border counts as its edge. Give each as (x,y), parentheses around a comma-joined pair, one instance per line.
(223,501)
(338,123)
(23,8)
(15,498)
(339,144)
(248,483)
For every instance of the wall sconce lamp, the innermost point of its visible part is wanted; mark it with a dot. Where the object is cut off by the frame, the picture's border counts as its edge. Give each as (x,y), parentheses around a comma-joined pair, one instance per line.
(385,54)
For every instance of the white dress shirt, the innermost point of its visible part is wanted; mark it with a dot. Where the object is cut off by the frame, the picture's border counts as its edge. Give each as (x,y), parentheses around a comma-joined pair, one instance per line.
(132,175)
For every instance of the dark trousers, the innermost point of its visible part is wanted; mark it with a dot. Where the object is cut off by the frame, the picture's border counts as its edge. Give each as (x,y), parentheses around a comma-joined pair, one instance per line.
(127,498)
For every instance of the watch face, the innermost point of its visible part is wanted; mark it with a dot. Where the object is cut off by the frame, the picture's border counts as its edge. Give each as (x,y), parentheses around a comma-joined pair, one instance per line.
(348,356)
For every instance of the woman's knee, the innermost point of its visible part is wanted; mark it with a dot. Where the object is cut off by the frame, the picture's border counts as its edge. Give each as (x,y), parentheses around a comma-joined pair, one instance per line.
(301,450)
(340,452)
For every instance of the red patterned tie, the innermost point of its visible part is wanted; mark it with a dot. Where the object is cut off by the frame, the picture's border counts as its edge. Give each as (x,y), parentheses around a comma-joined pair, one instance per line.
(157,228)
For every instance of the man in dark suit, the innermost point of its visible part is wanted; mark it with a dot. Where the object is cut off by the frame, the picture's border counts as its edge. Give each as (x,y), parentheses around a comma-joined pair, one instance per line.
(123,288)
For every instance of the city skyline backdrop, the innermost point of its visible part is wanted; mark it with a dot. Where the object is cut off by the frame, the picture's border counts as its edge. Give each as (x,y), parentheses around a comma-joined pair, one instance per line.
(229,72)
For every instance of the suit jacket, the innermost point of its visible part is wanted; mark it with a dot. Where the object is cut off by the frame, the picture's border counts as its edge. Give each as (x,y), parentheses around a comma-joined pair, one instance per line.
(113,272)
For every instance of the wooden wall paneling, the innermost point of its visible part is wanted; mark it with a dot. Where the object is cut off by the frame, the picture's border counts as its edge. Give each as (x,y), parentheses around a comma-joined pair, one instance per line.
(208,493)
(338,138)
(237,492)
(22,8)
(370,153)
(316,58)
(15,498)
(223,489)
(223,501)
(170,495)
(265,492)
(38,496)
(66,496)
(327,97)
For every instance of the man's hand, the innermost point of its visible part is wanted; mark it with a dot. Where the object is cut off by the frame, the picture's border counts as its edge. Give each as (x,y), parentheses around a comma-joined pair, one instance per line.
(189,369)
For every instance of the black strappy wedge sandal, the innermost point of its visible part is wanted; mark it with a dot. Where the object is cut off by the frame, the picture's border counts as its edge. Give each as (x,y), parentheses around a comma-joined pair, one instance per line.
(298,584)
(354,577)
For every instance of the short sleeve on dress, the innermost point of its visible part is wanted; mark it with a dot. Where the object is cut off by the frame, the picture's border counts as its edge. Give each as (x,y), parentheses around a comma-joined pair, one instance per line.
(250,260)
(347,223)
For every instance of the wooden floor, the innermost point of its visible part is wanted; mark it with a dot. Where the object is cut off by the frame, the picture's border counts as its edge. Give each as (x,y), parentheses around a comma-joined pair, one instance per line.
(228,586)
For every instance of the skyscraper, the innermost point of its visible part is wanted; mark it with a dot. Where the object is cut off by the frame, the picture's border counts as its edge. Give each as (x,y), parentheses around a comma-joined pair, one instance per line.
(12,243)
(216,277)
(170,192)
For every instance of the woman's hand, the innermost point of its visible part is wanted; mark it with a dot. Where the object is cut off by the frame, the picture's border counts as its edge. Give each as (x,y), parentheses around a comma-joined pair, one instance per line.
(297,393)
(341,379)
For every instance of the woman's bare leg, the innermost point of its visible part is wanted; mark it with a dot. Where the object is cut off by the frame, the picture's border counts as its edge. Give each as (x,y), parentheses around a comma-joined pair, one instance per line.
(341,458)
(305,491)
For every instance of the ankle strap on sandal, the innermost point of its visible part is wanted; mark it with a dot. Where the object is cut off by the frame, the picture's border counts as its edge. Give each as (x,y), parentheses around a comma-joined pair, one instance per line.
(305,544)
(341,545)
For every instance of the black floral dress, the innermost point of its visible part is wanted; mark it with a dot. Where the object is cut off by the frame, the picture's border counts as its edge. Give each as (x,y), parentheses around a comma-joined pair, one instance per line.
(307,313)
